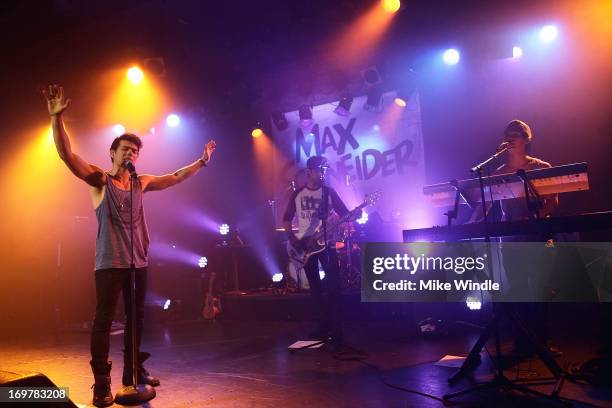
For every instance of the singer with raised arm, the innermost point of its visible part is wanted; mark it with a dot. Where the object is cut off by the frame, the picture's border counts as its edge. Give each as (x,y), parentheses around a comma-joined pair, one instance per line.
(110,196)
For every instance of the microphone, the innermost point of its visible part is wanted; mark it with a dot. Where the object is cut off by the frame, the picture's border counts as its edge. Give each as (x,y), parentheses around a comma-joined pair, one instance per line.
(502,147)
(130,167)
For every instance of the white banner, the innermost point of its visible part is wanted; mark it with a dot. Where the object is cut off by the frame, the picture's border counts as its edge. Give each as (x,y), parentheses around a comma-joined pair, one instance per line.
(367,151)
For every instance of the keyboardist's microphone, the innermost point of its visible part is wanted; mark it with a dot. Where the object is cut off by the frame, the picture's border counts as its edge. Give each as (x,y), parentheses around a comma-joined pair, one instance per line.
(502,147)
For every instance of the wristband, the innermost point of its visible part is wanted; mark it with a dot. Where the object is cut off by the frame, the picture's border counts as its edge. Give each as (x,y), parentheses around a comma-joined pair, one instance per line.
(204,161)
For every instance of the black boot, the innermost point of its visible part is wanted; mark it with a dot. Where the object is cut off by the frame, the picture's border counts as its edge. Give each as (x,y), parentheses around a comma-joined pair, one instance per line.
(102,396)
(143,375)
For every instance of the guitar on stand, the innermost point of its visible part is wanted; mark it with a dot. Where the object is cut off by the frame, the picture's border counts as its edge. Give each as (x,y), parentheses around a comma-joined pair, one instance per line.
(315,243)
(212,304)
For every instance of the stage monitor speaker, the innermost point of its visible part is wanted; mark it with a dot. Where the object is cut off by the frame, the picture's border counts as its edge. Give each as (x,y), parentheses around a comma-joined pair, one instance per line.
(11,379)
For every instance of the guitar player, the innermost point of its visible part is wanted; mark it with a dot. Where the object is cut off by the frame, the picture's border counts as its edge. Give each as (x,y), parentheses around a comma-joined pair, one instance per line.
(306,203)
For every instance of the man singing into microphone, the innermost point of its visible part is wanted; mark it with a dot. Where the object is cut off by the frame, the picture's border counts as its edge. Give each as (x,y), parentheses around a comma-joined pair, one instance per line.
(110,195)
(517,137)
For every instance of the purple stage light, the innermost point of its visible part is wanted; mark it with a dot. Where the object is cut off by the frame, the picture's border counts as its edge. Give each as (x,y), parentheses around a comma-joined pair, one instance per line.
(174,253)
(451,56)
(202,262)
(548,33)
(224,229)
(173,120)
(473,303)
(517,52)
(363,219)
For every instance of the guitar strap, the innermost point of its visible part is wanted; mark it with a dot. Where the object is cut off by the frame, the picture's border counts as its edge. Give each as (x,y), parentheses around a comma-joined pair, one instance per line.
(324,215)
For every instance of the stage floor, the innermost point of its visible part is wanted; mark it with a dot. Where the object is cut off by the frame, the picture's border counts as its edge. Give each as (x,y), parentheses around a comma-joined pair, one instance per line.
(246,364)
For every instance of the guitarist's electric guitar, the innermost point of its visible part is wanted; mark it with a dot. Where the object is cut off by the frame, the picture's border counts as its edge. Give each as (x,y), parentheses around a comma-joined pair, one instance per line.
(315,243)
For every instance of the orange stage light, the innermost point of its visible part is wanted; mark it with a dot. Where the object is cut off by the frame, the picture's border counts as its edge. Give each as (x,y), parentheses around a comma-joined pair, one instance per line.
(391,6)
(360,38)
(135,75)
(134,107)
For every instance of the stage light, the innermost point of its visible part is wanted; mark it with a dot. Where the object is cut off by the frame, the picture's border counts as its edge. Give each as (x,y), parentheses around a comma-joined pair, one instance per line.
(373,99)
(321,275)
(135,75)
(400,102)
(202,262)
(118,129)
(152,130)
(277,277)
(517,52)
(451,56)
(344,106)
(391,6)
(473,303)
(305,113)
(173,120)
(167,304)
(279,120)
(224,229)
(376,128)
(371,76)
(257,132)
(155,66)
(363,219)
(548,33)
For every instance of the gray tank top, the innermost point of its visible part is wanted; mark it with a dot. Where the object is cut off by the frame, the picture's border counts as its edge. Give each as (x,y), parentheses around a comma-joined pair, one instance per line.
(113,240)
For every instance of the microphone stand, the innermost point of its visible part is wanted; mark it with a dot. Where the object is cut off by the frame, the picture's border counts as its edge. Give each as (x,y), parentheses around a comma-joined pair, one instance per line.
(459,194)
(478,168)
(134,394)
(533,206)
(500,381)
(324,210)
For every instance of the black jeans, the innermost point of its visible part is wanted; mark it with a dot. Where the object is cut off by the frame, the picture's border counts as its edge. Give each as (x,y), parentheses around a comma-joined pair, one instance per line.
(109,282)
(326,292)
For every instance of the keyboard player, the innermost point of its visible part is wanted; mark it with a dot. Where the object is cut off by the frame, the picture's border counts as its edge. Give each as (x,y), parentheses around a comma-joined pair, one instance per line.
(518,136)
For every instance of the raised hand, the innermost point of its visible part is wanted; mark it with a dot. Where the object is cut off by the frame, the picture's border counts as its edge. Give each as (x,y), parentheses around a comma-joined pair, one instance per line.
(208,150)
(55,100)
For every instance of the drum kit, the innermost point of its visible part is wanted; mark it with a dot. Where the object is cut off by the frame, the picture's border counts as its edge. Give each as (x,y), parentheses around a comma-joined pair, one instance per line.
(349,257)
